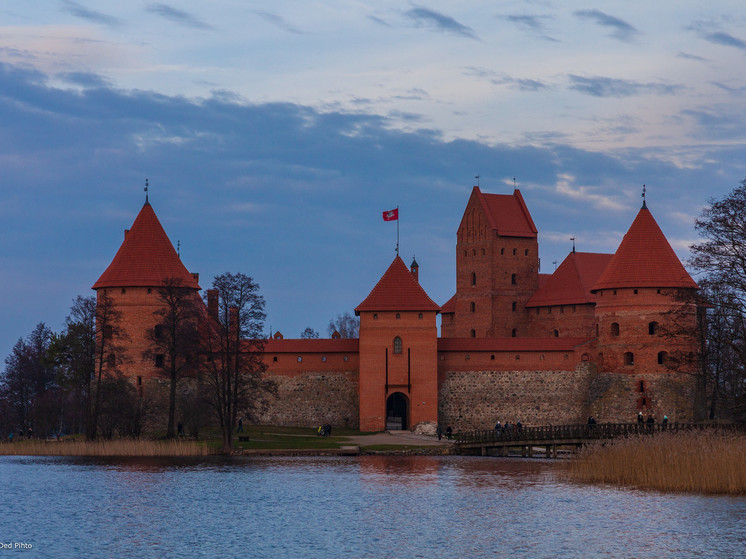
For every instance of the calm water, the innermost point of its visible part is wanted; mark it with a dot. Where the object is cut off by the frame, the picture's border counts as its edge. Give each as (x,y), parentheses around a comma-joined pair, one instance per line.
(342,507)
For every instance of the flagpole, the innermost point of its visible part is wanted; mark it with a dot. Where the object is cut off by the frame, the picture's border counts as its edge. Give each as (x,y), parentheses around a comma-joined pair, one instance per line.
(397,230)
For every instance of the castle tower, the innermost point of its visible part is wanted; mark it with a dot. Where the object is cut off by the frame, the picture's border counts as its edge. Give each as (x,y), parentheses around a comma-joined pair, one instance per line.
(497,267)
(398,385)
(646,320)
(143,263)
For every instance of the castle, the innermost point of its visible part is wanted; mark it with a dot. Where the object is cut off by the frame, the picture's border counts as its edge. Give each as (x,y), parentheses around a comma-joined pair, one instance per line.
(605,335)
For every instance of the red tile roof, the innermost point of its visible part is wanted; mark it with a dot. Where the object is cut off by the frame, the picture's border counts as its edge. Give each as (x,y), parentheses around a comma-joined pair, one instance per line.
(644,259)
(571,283)
(146,257)
(509,344)
(341,345)
(397,290)
(507,214)
(449,306)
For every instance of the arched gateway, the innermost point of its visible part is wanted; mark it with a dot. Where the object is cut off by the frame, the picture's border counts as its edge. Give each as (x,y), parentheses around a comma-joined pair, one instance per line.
(396,412)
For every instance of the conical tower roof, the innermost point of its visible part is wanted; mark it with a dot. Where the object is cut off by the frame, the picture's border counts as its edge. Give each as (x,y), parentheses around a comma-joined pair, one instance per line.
(397,290)
(146,257)
(644,259)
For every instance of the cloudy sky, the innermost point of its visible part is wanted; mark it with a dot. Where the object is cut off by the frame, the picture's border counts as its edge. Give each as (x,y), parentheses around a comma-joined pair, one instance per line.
(275,133)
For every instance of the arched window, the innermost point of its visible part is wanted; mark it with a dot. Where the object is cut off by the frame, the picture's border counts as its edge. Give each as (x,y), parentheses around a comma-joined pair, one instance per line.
(514,333)
(473,278)
(642,386)
(652,328)
(555,333)
(472,307)
(512,279)
(662,357)
(397,345)
(514,306)
(473,333)
(614,328)
(629,358)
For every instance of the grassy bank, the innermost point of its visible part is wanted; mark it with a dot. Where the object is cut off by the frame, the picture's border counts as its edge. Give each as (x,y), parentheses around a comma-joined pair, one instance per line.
(691,462)
(120,447)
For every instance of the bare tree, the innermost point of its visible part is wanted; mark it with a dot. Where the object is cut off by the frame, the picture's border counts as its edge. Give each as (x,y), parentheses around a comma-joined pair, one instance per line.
(175,338)
(234,345)
(346,325)
(309,334)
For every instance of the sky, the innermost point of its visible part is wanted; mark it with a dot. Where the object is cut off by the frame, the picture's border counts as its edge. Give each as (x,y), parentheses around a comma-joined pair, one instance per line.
(274,135)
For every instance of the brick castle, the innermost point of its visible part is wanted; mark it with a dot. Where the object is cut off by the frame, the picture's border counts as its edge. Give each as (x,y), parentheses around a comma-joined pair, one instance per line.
(606,335)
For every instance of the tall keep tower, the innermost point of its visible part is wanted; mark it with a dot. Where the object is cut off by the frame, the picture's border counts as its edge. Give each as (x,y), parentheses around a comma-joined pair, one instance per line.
(143,263)
(497,268)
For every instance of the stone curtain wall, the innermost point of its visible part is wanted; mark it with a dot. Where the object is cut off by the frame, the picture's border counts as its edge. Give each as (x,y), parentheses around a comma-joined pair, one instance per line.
(311,399)
(617,398)
(477,399)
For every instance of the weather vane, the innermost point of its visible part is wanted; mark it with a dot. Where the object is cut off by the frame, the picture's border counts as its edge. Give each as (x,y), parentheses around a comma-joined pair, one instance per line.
(513,183)
(146,191)
(644,188)
(477,177)
(573,244)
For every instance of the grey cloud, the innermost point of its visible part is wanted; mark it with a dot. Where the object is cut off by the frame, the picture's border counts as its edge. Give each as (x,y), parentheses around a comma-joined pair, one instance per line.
(711,33)
(600,86)
(278,21)
(85,79)
(91,15)
(523,84)
(688,56)
(177,16)
(533,23)
(379,21)
(439,21)
(620,29)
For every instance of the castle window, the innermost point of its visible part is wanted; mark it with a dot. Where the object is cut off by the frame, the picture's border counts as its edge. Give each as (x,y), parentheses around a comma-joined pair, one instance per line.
(473,278)
(662,357)
(658,291)
(150,290)
(514,333)
(473,333)
(615,292)
(346,359)
(512,279)
(597,329)
(517,357)
(398,316)
(492,357)
(514,251)
(124,290)
(483,252)
(397,345)
(502,251)
(274,359)
(642,386)
(300,359)
(465,253)
(323,358)
(525,253)
(159,360)
(555,333)
(629,358)
(567,357)
(472,307)
(614,328)
(635,291)
(652,328)
(139,381)
(467,357)
(541,357)
(585,357)
(375,316)
(419,316)
(514,306)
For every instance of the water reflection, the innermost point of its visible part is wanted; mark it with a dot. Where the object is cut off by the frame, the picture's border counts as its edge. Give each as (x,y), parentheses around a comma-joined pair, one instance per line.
(337,506)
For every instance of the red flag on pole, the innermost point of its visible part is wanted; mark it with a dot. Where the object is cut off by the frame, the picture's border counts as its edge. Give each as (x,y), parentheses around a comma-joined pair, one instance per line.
(391,215)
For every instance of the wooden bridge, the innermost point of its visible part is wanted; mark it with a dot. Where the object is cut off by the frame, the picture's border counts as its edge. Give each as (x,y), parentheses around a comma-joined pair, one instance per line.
(552,438)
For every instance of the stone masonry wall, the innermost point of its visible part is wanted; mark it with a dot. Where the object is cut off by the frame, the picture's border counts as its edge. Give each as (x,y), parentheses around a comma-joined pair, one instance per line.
(311,399)
(477,399)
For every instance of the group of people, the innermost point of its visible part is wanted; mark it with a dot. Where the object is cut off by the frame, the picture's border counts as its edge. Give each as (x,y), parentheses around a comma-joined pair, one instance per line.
(439,432)
(650,420)
(324,430)
(508,427)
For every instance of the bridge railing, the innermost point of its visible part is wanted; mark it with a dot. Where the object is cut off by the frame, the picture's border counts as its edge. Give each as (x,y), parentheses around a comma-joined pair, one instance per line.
(581,431)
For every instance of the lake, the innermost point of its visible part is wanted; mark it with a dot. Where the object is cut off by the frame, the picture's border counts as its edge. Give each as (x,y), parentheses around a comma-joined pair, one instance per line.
(369,506)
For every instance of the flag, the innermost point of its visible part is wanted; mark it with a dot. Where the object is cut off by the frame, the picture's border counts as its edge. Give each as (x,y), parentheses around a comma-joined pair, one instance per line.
(391,215)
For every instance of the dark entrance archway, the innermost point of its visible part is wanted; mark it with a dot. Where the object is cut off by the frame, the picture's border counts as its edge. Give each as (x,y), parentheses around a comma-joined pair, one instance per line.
(396,412)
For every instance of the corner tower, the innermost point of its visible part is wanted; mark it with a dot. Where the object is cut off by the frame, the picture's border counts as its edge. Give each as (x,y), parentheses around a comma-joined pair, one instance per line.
(497,268)
(143,263)
(398,353)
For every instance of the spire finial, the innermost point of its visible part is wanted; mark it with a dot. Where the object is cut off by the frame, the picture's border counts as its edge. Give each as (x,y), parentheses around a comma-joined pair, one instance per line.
(573,244)
(514,187)
(644,205)
(146,191)
(178,249)
(477,177)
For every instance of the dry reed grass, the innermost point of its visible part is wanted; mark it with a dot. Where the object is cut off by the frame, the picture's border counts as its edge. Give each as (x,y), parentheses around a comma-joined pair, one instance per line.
(119,447)
(690,462)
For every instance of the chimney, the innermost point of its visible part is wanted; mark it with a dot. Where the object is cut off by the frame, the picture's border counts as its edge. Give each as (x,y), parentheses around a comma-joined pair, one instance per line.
(415,269)
(212,304)
(125,233)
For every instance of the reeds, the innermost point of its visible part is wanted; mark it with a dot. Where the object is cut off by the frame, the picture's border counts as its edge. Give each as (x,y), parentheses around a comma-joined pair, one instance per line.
(118,447)
(687,461)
